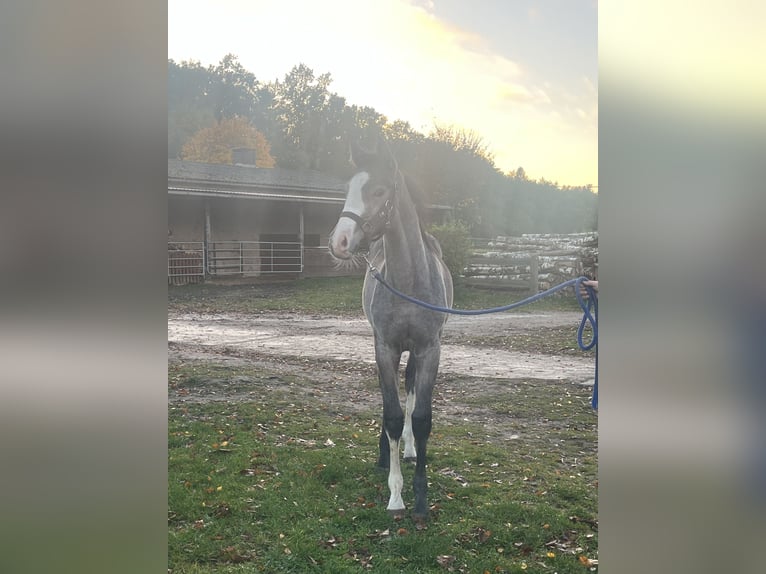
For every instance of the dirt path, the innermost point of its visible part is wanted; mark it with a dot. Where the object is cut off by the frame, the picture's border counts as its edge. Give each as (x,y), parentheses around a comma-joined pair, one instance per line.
(279,337)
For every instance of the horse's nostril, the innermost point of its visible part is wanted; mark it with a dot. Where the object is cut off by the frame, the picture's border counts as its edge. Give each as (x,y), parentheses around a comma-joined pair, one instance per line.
(344,242)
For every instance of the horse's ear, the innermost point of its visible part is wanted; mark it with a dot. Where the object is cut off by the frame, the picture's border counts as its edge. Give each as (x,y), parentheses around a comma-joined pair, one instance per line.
(360,157)
(384,150)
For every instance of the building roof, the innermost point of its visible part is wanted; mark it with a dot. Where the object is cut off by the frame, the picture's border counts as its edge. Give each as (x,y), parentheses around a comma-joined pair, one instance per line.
(274,183)
(219,180)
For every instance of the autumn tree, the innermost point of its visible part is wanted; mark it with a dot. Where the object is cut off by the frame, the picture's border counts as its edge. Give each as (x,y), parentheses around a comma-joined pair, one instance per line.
(214,144)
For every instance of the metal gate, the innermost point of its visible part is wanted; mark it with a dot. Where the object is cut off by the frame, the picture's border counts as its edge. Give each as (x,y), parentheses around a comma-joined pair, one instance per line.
(254,257)
(186,262)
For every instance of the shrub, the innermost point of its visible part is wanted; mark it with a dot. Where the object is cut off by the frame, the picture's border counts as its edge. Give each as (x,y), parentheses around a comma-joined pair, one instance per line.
(455,243)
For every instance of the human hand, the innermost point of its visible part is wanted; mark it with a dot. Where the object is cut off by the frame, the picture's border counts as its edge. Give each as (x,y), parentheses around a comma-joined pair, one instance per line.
(592,283)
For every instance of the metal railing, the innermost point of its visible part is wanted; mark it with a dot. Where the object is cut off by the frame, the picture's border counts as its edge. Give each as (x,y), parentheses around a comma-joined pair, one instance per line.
(254,257)
(186,262)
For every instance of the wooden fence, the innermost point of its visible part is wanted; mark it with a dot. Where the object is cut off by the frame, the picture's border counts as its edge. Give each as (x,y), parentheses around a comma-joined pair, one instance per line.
(532,262)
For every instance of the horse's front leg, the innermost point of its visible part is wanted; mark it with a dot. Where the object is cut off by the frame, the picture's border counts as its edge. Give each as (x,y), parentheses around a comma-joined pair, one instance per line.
(426,368)
(393,422)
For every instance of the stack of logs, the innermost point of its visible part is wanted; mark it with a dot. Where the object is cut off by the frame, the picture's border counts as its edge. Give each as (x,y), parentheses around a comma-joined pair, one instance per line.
(542,259)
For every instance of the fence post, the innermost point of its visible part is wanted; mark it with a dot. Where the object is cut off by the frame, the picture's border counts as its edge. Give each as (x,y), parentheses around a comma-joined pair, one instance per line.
(534,285)
(207,240)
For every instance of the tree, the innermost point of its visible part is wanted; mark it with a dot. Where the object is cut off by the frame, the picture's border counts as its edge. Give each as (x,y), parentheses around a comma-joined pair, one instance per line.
(301,124)
(455,165)
(189,106)
(300,108)
(214,144)
(234,90)
(462,140)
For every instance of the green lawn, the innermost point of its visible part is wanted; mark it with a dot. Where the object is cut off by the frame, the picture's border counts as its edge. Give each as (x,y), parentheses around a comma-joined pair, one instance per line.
(285,483)
(268,475)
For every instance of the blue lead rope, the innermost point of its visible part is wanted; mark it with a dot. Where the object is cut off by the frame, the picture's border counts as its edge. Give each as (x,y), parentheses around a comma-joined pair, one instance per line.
(586,306)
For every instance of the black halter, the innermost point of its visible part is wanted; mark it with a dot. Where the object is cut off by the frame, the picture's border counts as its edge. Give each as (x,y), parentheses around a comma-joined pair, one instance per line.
(376,225)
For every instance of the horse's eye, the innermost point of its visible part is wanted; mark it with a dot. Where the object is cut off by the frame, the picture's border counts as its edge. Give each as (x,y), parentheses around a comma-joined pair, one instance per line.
(379,191)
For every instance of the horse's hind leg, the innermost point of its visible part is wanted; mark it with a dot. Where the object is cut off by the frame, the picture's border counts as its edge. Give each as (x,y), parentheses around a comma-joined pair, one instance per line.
(410,455)
(428,365)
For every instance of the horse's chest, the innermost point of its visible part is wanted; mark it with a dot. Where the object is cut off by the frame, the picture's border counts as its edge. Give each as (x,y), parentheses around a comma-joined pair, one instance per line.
(405,325)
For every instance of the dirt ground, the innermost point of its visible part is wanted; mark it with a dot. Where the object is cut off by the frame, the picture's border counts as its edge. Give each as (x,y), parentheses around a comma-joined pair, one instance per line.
(278,336)
(301,345)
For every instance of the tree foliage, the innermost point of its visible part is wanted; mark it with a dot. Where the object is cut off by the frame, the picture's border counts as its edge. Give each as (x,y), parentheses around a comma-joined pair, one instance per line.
(309,126)
(214,144)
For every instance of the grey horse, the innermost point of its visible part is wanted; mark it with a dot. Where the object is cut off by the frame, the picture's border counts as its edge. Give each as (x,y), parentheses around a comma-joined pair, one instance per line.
(382,209)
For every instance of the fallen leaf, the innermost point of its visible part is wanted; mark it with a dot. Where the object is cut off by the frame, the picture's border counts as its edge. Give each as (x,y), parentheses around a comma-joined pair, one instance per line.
(231,554)
(481,534)
(445,560)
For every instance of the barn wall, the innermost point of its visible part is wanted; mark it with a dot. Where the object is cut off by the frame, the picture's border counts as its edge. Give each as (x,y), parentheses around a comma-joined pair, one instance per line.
(186,218)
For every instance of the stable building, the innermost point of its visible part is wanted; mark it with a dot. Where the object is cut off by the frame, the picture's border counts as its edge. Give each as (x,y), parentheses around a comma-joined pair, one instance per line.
(240,220)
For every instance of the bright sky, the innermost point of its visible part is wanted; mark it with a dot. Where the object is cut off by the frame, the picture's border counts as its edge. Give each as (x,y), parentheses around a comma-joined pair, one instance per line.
(523,74)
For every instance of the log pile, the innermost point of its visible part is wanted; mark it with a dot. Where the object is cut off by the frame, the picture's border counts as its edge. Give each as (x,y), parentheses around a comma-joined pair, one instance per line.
(549,258)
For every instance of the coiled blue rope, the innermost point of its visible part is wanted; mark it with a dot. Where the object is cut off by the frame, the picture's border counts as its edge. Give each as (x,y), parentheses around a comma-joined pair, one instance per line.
(587,306)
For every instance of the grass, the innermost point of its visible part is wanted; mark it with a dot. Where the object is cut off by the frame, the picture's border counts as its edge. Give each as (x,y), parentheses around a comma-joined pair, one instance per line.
(274,472)
(328,295)
(542,340)
(337,296)
(284,484)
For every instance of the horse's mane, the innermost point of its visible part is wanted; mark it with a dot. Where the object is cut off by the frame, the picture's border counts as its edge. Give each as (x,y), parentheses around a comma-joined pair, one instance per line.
(419,198)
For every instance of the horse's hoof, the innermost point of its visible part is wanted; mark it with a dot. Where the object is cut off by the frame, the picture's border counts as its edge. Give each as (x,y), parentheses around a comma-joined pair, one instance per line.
(420,520)
(397,514)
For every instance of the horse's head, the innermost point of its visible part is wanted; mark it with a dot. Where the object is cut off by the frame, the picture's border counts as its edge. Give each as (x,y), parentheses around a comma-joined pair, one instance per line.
(370,200)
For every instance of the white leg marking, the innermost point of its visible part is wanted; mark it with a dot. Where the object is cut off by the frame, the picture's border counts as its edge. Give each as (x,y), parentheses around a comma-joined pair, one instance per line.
(395,480)
(409,438)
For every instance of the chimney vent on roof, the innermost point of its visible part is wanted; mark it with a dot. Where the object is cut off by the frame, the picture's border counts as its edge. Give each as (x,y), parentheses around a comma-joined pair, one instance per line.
(243,156)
